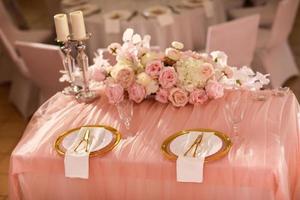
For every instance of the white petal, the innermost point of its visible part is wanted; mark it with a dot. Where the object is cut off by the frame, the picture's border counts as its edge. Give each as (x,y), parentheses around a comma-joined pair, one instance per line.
(127,35)
(146,41)
(136,39)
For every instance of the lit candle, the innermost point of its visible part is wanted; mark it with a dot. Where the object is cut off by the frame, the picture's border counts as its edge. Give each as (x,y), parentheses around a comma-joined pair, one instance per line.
(62,27)
(78,26)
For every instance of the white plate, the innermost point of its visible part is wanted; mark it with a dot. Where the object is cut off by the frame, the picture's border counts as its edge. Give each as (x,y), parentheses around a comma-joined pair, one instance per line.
(118,14)
(101,143)
(180,144)
(155,11)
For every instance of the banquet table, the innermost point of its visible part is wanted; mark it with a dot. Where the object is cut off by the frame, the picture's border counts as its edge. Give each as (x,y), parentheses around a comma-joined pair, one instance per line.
(266,166)
(190,25)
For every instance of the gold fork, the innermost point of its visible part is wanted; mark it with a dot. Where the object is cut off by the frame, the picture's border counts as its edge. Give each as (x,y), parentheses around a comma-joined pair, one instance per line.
(197,140)
(85,139)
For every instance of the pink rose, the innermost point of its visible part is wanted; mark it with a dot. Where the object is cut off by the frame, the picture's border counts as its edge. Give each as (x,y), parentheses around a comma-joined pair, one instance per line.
(125,77)
(114,93)
(98,74)
(178,97)
(207,70)
(214,90)
(167,77)
(136,92)
(162,95)
(228,72)
(198,97)
(153,68)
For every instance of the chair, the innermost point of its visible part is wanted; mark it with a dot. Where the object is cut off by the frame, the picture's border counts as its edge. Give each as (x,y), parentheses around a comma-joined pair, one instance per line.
(23,94)
(236,38)
(273,50)
(43,63)
(266,12)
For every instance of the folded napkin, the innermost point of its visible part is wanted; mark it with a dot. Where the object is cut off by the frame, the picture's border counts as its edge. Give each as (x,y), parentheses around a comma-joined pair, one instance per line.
(77,163)
(190,169)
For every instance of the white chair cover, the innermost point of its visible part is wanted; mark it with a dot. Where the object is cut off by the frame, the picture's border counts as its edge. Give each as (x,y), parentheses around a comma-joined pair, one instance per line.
(236,38)
(273,50)
(44,63)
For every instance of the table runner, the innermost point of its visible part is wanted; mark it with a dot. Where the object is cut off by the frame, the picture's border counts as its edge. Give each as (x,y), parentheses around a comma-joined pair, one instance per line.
(136,169)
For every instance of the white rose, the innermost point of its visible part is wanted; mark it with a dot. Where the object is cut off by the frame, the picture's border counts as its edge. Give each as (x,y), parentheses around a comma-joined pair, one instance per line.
(145,80)
(173,54)
(177,45)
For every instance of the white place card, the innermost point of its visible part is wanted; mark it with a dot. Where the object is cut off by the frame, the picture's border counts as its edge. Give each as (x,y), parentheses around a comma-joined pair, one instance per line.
(209,8)
(112,25)
(189,169)
(165,19)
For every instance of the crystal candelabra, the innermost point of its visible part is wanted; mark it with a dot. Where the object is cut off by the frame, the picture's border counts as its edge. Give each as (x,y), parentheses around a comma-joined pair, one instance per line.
(69,66)
(85,95)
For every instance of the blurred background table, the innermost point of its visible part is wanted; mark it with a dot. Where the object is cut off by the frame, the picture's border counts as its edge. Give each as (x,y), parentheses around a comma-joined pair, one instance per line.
(190,24)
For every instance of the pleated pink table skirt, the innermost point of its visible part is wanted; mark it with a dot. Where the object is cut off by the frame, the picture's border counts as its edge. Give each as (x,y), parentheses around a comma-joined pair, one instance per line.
(267,165)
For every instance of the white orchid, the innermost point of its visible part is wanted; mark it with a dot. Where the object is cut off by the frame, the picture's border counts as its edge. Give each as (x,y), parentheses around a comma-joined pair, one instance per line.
(219,57)
(99,60)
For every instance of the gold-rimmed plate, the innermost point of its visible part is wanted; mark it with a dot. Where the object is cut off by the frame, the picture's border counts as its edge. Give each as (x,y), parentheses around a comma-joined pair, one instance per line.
(175,144)
(110,140)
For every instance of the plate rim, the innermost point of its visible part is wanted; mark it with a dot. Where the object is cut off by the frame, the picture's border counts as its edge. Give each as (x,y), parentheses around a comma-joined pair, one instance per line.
(115,141)
(226,144)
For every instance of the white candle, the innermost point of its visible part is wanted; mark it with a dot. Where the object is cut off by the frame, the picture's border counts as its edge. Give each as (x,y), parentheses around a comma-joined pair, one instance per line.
(78,27)
(62,27)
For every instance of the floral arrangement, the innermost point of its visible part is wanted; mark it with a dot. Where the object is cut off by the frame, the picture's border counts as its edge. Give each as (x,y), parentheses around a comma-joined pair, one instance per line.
(175,76)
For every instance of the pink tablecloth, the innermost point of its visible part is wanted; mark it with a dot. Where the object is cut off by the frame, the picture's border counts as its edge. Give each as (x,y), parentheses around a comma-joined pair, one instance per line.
(269,168)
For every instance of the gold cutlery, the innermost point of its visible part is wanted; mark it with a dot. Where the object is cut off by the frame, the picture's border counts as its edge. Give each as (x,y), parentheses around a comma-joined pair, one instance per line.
(85,139)
(197,140)
(197,145)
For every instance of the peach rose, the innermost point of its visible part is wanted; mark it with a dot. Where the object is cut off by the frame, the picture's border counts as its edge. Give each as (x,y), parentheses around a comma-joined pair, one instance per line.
(123,75)
(198,96)
(167,77)
(114,93)
(178,97)
(214,90)
(136,92)
(207,70)
(162,95)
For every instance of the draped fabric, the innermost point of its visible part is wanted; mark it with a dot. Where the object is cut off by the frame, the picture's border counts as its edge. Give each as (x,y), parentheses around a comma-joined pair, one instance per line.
(264,166)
